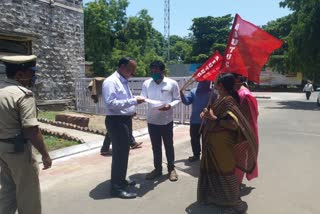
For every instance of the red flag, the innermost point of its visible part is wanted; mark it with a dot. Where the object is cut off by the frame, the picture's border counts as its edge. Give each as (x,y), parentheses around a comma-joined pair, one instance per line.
(248,49)
(210,69)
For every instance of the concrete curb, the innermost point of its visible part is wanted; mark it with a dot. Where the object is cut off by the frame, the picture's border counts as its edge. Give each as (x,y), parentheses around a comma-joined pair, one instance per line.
(76,149)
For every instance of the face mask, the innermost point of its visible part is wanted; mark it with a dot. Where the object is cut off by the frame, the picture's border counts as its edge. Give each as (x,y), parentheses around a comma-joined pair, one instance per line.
(156,76)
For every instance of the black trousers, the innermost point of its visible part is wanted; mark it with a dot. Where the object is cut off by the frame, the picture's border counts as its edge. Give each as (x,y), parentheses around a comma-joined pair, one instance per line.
(107,141)
(195,139)
(159,133)
(308,93)
(120,128)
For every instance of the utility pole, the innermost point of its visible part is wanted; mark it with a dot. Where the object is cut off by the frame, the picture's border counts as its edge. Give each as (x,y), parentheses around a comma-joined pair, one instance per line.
(166,36)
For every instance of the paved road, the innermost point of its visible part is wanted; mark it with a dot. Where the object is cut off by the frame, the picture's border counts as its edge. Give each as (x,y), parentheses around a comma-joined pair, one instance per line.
(288,182)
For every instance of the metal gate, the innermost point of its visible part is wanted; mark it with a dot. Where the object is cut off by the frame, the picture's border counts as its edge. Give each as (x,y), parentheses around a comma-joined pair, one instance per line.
(84,103)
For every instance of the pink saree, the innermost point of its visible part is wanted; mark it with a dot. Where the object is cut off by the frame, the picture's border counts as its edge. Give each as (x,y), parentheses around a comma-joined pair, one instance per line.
(249,108)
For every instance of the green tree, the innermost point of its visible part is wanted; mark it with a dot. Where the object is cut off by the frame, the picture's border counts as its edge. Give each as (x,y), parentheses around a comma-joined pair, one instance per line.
(157,41)
(180,49)
(280,28)
(210,33)
(303,40)
(102,21)
(136,39)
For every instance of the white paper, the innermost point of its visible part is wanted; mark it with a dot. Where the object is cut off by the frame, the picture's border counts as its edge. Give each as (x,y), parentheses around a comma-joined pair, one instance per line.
(155,103)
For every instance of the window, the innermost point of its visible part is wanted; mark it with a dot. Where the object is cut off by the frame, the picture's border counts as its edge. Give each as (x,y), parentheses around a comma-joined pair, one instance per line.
(13,45)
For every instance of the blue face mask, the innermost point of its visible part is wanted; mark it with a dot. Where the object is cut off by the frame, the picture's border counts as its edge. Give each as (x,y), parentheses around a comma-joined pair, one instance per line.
(156,76)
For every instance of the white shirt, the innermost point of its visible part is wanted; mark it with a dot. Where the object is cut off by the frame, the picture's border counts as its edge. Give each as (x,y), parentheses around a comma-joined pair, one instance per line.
(167,92)
(308,87)
(117,96)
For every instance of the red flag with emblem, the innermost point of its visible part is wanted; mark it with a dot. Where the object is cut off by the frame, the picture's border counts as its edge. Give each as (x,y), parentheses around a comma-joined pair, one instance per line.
(248,49)
(210,69)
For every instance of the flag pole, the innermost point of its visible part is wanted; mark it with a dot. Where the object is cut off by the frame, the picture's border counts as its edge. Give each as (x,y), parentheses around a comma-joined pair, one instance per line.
(188,83)
(208,105)
(204,71)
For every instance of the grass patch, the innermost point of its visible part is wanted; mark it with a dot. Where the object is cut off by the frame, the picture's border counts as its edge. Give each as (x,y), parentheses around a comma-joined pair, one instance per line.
(50,115)
(54,143)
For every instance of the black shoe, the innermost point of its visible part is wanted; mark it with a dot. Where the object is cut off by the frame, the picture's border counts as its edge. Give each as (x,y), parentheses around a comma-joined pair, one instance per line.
(106,153)
(194,158)
(154,174)
(130,183)
(121,193)
(136,145)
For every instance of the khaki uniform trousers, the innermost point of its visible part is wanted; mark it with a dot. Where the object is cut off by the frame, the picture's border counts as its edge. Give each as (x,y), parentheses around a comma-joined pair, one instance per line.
(19,179)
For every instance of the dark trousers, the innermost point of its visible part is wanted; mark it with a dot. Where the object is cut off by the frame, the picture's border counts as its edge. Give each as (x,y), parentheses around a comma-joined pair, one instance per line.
(157,134)
(308,93)
(107,141)
(195,139)
(120,128)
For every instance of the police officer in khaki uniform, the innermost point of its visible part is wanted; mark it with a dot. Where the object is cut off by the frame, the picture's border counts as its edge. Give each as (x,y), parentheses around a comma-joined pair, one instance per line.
(19,128)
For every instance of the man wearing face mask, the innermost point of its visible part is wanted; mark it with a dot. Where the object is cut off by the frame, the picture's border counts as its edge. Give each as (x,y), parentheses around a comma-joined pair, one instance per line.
(120,107)
(160,119)
(19,129)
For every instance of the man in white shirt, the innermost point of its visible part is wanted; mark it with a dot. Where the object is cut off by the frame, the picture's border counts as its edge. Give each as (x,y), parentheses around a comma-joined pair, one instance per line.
(160,118)
(120,106)
(308,88)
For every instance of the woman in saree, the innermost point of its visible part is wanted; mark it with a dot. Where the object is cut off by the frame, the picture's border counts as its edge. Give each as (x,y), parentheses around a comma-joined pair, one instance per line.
(229,144)
(249,108)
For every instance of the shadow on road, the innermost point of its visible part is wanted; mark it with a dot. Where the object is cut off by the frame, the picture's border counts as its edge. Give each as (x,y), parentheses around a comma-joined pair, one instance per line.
(296,105)
(101,191)
(192,169)
(196,208)
(144,186)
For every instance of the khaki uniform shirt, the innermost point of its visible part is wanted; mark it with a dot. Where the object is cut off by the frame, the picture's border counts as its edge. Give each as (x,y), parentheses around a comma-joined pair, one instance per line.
(17,110)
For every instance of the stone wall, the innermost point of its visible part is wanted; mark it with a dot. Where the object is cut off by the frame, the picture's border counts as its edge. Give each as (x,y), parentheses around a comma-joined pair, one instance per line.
(57,34)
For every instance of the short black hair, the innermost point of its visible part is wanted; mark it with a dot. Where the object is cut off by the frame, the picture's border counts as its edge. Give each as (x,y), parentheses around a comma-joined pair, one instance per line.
(12,69)
(157,64)
(125,61)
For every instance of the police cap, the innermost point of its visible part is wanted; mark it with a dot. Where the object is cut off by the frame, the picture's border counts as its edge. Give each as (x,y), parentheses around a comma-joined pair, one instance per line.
(19,61)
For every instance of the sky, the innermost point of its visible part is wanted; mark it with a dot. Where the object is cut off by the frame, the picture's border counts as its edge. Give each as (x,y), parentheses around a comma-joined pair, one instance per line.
(258,12)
